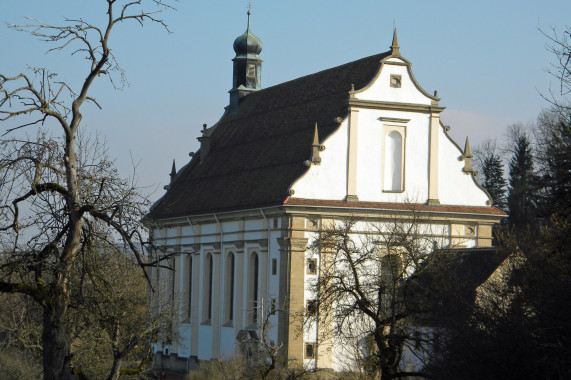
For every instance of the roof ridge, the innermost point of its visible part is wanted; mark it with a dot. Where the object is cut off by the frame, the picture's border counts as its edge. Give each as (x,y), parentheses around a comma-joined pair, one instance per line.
(324,71)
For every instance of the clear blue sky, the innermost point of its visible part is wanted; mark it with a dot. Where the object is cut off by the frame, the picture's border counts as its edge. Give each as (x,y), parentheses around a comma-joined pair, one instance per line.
(487,60)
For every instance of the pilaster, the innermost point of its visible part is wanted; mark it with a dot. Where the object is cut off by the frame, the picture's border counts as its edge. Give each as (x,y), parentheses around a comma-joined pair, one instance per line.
(352,156)
(433,159)
(290,325)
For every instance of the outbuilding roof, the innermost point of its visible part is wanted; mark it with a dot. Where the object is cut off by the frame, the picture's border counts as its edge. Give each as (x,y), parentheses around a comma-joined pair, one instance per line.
(259,151)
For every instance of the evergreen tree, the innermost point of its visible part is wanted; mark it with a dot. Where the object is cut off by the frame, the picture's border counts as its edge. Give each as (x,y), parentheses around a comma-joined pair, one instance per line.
(523,183)
(494,181)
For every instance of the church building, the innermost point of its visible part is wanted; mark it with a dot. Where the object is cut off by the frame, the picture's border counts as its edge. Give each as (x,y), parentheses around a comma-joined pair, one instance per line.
(363,139)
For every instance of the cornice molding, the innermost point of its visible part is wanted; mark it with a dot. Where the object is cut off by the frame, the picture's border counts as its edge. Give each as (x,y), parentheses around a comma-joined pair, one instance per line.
(411,107)
(294,244)
(394,120)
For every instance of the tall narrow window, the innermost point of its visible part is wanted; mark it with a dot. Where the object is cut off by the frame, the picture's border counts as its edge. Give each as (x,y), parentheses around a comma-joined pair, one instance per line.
(311,266)
(189,286)
(253,285)
(251,71)
(391,270)
(173,276)
(256,272)
(230,270)
(210,287)
(309,350)
(393,162)
(207,289)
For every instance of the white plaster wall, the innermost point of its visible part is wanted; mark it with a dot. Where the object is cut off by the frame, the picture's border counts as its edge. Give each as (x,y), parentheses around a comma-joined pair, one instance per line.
(370,156)
(274,253)
(205,342)
(184,341)
(252,229)
(380,89)
(173,232)
(329,179)
(454,186)
(227,340)
(231,226)
(345,350)
(187,235)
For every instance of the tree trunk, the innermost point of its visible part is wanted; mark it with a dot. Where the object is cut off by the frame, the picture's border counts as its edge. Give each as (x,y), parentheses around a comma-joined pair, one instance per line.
(55,345)
(114,374)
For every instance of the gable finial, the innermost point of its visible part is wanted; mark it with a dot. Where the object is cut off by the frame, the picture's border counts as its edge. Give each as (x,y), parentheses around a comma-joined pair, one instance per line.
(467,157)
(395,50)
(315,137)
(315,149)
(173,170)
(172,175)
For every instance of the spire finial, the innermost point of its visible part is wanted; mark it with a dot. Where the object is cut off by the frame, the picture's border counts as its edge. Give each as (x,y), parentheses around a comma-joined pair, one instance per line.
(315,148)
(173,170)
(467,152)
(467,157)
(395,45)
(315,137)
(249,13)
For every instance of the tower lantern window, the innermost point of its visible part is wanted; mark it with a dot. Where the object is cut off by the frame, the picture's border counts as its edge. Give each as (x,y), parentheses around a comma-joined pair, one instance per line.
(251,71)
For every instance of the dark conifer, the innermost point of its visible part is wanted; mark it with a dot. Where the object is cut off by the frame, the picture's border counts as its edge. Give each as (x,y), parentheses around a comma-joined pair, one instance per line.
(554,156)
(523,184)
(494,181)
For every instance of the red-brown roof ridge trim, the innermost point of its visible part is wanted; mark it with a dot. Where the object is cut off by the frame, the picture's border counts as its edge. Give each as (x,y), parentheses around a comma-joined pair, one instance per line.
(484,210)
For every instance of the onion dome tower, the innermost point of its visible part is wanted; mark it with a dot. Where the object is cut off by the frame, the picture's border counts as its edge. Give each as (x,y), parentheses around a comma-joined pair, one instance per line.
(247,75)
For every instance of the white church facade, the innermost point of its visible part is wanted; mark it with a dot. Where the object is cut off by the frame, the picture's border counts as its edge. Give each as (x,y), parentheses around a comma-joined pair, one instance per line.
(359,140)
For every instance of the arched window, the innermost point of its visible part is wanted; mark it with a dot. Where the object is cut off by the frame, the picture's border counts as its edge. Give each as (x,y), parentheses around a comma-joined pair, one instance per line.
(230,270)
(253,287)
(393,168)
(189,282)
(391,270)
(207,289)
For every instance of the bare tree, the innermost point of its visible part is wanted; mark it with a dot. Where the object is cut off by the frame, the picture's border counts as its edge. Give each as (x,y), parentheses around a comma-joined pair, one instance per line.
(20,337)
(260,357)
(110,319)
(52,189)
(359,291)
(560,46)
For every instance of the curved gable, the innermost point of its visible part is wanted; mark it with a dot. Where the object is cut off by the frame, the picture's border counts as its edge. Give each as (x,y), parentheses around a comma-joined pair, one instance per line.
(395,83)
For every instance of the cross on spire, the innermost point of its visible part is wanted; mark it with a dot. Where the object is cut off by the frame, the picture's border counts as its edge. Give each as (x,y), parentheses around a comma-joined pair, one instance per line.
(249,13)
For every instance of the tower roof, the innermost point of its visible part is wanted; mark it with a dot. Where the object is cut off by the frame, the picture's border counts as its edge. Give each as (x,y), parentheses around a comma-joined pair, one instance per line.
(247,44)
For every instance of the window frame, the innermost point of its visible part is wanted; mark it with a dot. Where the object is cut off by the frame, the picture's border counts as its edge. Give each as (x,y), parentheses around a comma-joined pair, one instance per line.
(387,130)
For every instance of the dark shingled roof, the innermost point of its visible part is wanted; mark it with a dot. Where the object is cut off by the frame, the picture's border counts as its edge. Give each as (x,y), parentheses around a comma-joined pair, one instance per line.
(258,152)
(445,289)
